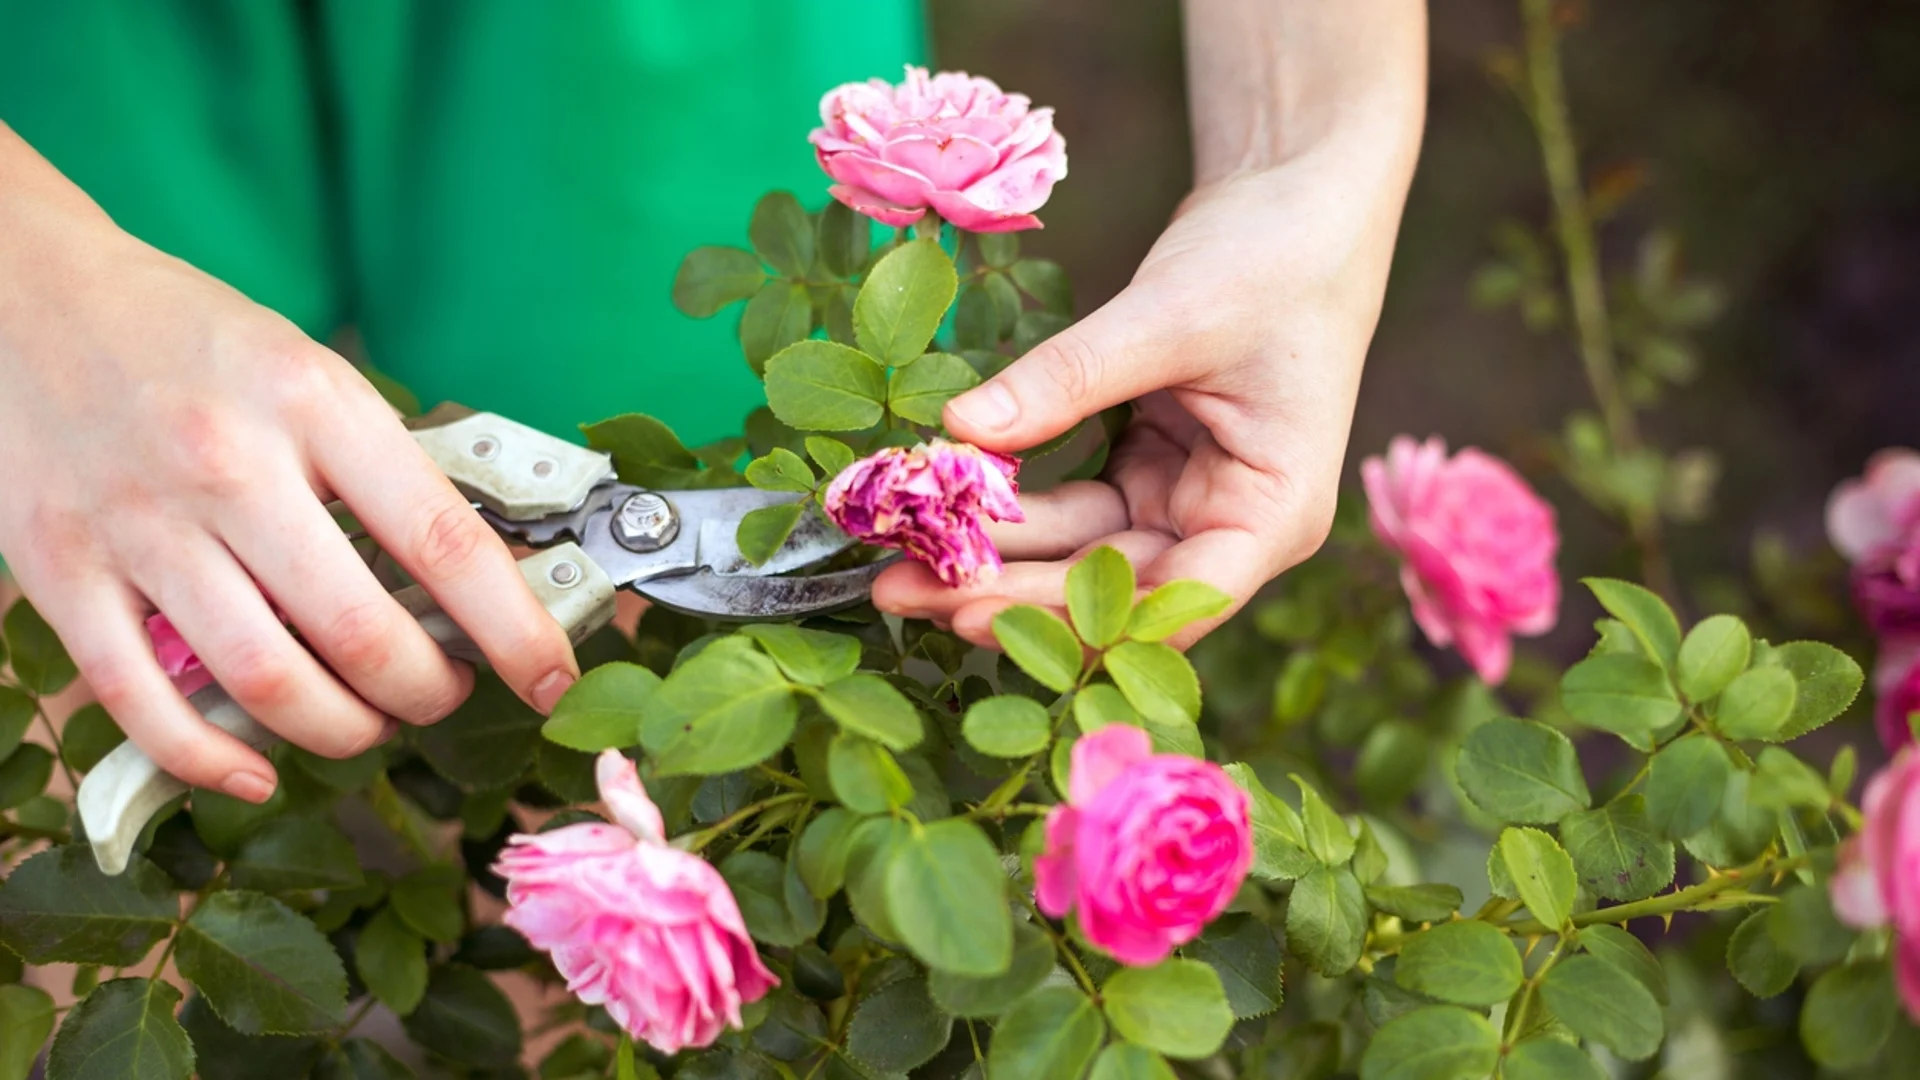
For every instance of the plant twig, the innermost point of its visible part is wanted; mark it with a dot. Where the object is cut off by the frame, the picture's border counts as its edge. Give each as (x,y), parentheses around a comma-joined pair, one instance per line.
(695,841)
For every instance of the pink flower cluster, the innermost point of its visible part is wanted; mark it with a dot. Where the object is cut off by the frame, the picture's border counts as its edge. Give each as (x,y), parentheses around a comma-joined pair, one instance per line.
(1875,522)
(176,657)
(1477,547)
(1877,880)
(933,502)
(1148,848)
(951,143)
(647,930)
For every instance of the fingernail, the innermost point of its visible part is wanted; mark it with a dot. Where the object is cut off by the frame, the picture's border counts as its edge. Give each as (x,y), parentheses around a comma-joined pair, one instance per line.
(252,787)
(990,407)
(546,692)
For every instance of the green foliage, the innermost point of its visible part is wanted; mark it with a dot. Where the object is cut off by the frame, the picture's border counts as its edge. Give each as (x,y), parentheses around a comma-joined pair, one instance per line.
(1466,962)
(1176,1007)
(1440,1042)
(1606,1004)
(902,302)
(1522,772)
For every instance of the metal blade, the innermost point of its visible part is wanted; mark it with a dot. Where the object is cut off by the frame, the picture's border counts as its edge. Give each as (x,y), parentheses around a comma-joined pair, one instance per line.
(716,597)
(708,522)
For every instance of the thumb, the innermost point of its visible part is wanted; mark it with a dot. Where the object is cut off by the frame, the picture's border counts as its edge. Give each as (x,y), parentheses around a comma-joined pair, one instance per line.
(1118,353)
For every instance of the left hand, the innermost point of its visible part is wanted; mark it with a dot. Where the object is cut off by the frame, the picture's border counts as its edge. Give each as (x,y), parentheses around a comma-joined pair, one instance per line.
(1240,340)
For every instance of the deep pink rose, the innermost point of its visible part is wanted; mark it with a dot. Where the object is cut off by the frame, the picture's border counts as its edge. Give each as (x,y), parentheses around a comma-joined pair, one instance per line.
(647,930)
(1148,848)
(981,158)
(176,657)
(1896,688)
(1477,545)
(933,502)
(1875,522)
(1877,880)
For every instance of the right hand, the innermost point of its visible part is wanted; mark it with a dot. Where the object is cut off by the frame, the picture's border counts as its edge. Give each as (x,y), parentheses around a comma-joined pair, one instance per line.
(168,444)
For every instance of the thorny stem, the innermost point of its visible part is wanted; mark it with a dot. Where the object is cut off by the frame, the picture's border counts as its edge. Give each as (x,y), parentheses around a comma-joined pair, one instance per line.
(1670,903)
(695,841)
(59,751)
(1061,947)
(1517,1023)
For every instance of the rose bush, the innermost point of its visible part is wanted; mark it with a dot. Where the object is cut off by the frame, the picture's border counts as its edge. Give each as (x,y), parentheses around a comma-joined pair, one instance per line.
(852,848)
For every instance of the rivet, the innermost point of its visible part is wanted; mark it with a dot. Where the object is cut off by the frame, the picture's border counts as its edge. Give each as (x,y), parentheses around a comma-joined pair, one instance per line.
(564,574)
(543,468)
(485,447)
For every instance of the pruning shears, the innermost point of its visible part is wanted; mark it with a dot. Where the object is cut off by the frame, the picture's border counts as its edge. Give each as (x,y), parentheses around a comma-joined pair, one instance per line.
(591,535)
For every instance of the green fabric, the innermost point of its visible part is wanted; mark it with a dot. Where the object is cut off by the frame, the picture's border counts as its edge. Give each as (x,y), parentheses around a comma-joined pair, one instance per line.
(496,193)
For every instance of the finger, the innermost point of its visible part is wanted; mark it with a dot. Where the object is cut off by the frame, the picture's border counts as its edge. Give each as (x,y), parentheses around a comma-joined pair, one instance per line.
(1061,521)
(911,590)
(103,624)
(293,547)
(411,508)
(973,622)
(1124,350)
(232,629)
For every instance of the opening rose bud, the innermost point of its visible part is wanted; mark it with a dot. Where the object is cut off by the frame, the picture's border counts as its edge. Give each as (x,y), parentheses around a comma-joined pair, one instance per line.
(647,930)
(177,658)
(933,502)
(951,143)
(1876,881)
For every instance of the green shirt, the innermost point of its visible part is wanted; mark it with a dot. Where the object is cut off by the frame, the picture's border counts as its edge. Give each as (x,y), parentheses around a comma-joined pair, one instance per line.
(495,193)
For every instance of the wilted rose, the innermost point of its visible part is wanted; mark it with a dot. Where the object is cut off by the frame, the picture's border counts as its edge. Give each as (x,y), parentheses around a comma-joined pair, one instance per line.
(1876,882)
(647,930)
(1148,848)
(1477,543)
(977,156)
(933,502)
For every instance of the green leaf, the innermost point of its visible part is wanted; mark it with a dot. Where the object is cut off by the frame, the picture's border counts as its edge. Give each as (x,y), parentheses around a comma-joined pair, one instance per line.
(1715,650)
(1781,780)
(844,239)
(1126,1061)
(16,714)
(1605,1004)
(392,961)
(897,1027)
(865,776)
(1685,785)
(1648,616)
(1439,1042)
(1328,837)
(902,301)
(264,969)
(782,233)
(723,710)
(976,319)
(1045,281)
(1100,596)
(296,852)
(1849,1014)
(826,386)
(1177,1007)
(1392,762)
(831,455)
(1157,680)
(1243,951)
(920,391)
(24,774)
(758,883)
(1756,705)
(1049,1034)
(1041,644)
(1541,872)
(486,743)
(1828,680)
(1279,837)
(764,529)
(1624,951)
(866,704)
(602,710)
(780,314)
(26,1019)
(1466,962)
(1547,1058)
(710,278)
(1757,960)
(1327,920)
(1626,695)
(947,894)
(40,662)
(361,1059)
(998,250)
(1006,299)
(988,996)
(57,907)
(814,657)
(1173,607)
(465,1017)
(780,470)
(1099,705)
(89,735)
(123,1030)
(1008,726)
(1617,852)
(644,450)
(429,900)
(823,850)
(1521,771)
(1415,903)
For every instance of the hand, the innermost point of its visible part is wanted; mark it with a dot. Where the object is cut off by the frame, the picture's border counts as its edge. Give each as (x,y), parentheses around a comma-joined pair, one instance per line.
(1241,340)
(170,444)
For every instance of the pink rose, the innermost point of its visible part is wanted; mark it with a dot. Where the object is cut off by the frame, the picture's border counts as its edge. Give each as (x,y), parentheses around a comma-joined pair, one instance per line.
(1877,880)
(176,657)
(647,930)
(1148,849)
(983,159)
(1896,688)
(1478,546)
(933,502)
(1875,522)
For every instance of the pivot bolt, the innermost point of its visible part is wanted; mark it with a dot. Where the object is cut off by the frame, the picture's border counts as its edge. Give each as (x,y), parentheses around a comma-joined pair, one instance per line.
(645,522)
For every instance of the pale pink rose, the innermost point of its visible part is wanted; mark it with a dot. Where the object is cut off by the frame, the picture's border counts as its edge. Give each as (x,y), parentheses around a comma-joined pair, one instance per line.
(1876,882)
(1148,848)
(980,158)
(1477,546)
(176,657)
(1875,522)
(645,929)
(933,502)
